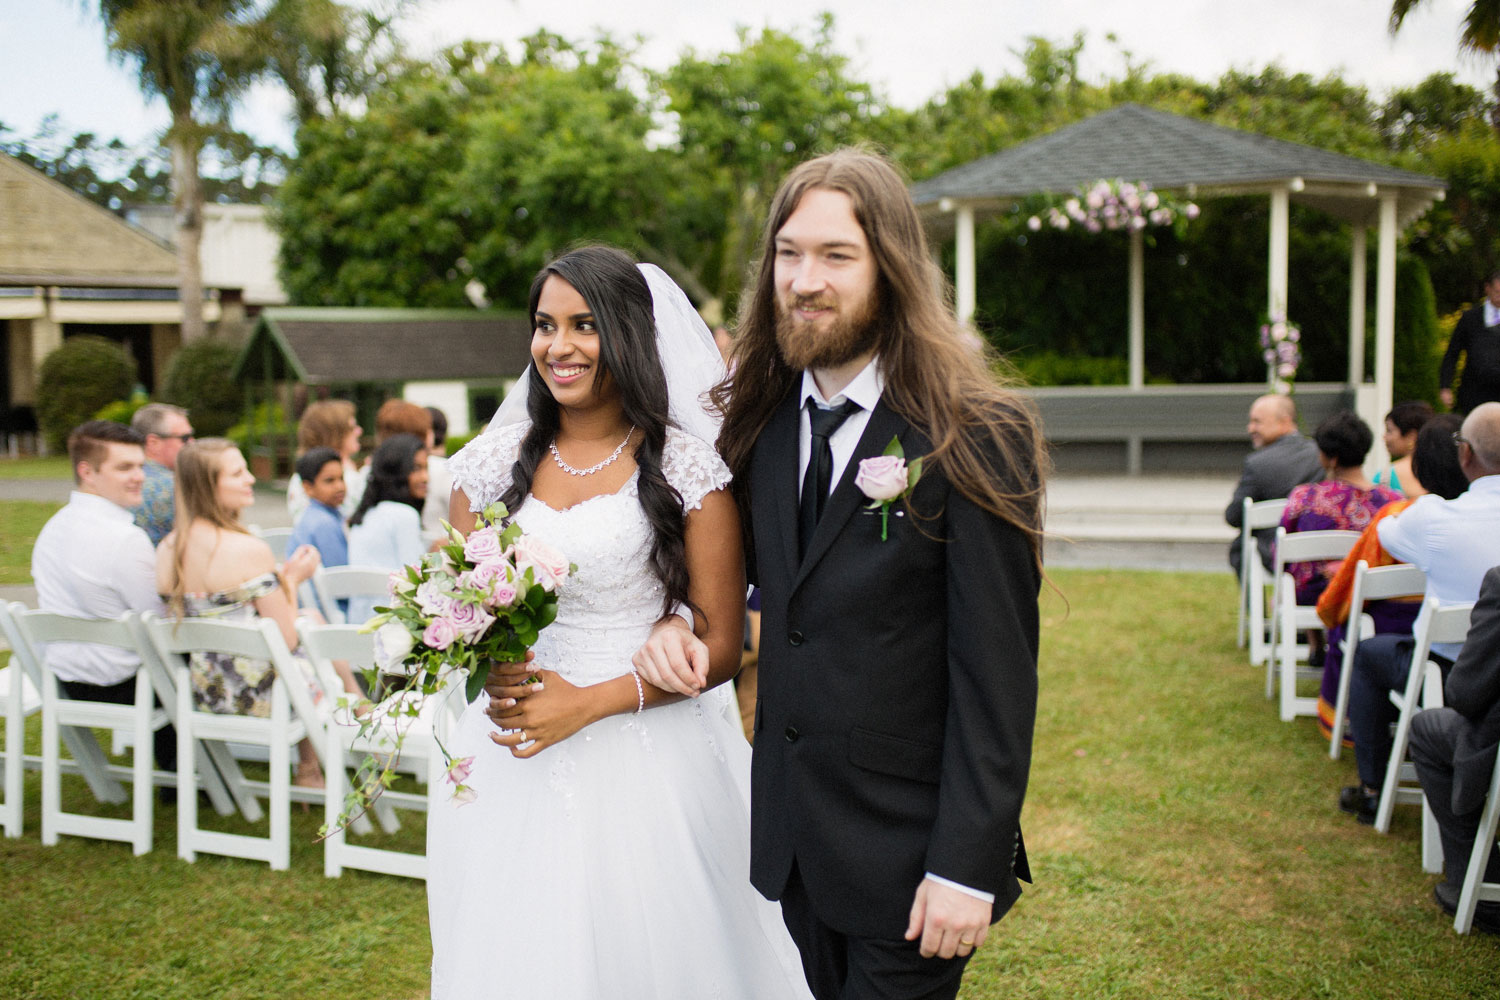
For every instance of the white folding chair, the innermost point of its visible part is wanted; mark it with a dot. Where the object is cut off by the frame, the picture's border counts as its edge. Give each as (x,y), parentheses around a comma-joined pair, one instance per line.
(332,584)
(323,644)
(141,717)
(1288,618)
(1379,584)
(293,718)
(277,538)
(1436,623)
(1475,887)
(21,700)
(1254,583)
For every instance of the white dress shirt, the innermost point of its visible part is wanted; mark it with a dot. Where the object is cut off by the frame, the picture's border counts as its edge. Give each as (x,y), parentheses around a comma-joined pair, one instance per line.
(1455,542)
(92,561)
(864,389)
(1491,314)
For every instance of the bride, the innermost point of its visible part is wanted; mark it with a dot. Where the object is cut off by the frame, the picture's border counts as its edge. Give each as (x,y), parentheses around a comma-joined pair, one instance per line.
(606,853)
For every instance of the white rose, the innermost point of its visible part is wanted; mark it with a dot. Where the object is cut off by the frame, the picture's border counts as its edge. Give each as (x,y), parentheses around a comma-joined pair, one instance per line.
(549,567)
(393,643)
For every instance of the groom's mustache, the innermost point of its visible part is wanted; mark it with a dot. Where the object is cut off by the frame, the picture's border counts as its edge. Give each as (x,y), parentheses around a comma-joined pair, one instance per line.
(813,302)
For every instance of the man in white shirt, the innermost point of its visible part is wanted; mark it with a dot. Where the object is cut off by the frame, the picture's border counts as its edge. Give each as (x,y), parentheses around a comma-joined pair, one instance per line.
(1454,542)
(92,561)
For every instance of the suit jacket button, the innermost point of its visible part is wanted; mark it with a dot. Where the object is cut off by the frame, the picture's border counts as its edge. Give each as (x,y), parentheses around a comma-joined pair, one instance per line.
(794,637)
(791,734)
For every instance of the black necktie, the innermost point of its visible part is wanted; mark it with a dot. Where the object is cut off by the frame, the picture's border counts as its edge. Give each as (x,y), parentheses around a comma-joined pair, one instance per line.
(816,481)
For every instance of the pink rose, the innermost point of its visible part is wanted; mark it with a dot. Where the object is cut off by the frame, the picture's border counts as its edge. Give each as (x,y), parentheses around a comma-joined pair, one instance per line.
(483,546)
(458,770)
(434,598)
(549,567)
(463,795)
(471,620)
(440,634)
(502,595)
(882,477)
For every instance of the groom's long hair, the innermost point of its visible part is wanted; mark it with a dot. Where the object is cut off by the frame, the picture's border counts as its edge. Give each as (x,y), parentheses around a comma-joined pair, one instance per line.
(620,299)
(985,436)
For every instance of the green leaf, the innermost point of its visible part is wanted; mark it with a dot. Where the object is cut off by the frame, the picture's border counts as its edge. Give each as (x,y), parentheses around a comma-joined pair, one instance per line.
(913,473)
(475,684)
(894,448)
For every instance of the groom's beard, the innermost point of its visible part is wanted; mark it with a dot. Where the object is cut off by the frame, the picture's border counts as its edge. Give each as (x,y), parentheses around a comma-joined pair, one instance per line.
(804,346)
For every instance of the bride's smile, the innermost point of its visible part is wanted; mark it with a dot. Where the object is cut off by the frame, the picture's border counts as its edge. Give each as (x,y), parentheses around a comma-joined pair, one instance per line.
(565,346)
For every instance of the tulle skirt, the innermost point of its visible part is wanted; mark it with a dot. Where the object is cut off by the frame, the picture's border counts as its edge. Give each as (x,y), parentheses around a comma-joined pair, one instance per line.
(614,865)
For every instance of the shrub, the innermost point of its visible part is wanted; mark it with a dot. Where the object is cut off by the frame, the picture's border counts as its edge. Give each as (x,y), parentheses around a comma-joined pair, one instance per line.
(198,380)
(121,410)
(1050,368)
(1418,341)
(76,380)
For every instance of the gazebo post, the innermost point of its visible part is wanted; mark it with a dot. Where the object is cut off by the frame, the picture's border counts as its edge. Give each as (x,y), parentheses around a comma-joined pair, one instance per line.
(964,265)
(1281,199)
(1385,311)
(1357,304)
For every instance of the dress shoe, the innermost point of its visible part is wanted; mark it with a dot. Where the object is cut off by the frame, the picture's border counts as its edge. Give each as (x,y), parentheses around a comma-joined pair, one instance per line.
(1486,912)
(1354,799)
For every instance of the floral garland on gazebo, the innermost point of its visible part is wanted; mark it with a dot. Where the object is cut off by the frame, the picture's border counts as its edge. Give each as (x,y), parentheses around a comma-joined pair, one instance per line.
(1279,340)
(1114,204)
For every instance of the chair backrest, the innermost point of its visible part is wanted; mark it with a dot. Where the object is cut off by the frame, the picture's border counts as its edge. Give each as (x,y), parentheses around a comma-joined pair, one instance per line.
(325,643)
(1263,513)
(334,583)
(277,538)
(1439,623)
(1308,546)
(21,652)
(260,640)
(1381,583)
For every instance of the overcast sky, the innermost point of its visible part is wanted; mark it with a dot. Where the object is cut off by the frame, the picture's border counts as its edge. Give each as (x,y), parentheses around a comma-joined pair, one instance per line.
(53,60)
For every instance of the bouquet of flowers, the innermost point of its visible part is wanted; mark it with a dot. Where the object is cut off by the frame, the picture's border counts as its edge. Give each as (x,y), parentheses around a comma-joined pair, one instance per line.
(474,601)
(1279,340)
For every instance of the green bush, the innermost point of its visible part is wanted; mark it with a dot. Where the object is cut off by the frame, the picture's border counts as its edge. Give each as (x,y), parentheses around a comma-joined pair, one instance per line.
(1417,334)
(1050,368)
(121,410)
(76,380)
(265,421)
(198,380)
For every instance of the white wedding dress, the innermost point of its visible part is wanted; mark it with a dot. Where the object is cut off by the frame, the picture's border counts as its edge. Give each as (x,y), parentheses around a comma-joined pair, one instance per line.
(615,864)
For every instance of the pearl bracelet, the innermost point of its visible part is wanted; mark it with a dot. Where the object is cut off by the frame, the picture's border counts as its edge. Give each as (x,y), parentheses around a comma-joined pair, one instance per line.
(640,693)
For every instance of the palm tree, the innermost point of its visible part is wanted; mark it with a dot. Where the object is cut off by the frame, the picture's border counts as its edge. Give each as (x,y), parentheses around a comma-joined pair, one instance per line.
(175,47)
(1481,34)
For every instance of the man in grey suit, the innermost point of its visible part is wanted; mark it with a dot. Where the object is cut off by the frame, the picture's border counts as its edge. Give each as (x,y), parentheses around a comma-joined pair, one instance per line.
(1454,749)
(1282,458)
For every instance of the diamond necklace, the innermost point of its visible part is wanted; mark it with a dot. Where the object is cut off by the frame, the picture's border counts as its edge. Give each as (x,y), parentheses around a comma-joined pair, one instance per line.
(593,468)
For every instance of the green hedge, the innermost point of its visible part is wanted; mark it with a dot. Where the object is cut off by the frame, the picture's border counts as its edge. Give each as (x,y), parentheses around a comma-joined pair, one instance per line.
(197,379)
(76,381)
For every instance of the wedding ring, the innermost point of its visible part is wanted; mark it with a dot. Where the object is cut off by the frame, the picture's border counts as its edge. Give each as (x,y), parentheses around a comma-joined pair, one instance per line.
(966,944)
(523,736)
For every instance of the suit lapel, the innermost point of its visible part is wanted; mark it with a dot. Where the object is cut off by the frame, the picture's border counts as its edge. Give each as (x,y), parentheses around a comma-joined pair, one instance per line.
(846,497)
(781,444)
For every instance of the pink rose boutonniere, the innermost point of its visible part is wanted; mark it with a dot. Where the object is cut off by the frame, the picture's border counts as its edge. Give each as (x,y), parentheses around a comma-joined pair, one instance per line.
(886,479)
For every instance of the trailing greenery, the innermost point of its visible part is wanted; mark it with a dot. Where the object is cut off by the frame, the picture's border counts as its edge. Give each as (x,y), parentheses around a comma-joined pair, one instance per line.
(1185,843)
(197,379)
(76,380)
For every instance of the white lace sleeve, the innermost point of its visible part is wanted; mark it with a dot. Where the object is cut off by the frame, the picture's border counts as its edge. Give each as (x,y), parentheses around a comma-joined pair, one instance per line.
(482,467)
(693,467)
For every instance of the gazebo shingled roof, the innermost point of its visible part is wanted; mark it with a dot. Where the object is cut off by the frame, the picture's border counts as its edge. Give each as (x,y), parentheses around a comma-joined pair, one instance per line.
(1168,152)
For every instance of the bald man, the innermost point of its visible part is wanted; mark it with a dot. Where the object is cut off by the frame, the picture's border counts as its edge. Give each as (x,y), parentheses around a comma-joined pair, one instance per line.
(1282,458)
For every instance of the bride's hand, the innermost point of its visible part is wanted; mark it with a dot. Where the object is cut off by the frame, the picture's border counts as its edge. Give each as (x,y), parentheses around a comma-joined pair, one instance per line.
(673,658)
(539,714)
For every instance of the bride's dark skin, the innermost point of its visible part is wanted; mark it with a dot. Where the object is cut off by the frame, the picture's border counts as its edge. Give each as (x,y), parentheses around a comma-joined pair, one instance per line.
(676,661)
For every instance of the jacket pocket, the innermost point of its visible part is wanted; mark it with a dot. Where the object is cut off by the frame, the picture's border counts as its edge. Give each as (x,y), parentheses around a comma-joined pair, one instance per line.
(895,755)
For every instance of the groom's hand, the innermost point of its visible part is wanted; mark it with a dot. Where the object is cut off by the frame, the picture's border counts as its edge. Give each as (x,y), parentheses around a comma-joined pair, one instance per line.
(950,923)
(673,658)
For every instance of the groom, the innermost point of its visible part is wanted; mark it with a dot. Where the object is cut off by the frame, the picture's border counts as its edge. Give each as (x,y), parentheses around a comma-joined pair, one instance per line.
(898,650)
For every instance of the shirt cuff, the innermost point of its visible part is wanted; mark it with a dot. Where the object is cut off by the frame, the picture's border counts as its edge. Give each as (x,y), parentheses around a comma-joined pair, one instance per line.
(988,897)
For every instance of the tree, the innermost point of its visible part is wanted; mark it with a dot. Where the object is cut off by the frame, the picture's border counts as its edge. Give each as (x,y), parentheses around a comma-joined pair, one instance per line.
(1481,34)
(173,47)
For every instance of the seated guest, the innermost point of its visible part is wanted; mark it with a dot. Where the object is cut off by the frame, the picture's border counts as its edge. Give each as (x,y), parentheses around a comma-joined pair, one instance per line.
(1401,427)
(328,423)
(397,416)
(1282,459)
(439,481)
(321,526)
(1454,749)
(210,566)
(1434,469)
(1343,500)
(166,429)
(385,531)
(90,560)
(1455,542)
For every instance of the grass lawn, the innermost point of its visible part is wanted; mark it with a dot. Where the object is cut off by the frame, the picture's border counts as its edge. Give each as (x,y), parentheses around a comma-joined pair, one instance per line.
(20,521)
(1185,843)
(32,467)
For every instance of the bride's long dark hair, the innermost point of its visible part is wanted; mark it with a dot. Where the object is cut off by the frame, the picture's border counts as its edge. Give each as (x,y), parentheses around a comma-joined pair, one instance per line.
(617,295)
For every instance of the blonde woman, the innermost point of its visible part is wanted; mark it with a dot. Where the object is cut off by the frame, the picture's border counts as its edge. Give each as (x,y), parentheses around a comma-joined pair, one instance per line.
(210,566)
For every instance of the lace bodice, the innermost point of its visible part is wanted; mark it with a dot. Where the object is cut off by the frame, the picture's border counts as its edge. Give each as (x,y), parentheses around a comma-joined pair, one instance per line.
(606,609)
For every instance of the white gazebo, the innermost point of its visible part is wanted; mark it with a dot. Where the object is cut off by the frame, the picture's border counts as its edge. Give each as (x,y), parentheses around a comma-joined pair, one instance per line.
(1198,160)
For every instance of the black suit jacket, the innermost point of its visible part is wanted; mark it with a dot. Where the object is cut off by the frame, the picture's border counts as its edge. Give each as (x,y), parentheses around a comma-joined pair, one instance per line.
(1473,689)
(1270,473)
(1481,379)
(897,689)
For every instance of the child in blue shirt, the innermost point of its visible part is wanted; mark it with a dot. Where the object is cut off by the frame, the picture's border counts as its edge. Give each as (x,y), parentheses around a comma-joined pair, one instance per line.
(321,525)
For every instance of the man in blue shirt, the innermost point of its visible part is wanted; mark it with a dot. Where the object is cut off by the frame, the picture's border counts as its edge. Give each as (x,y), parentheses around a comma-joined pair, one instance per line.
(166,429)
